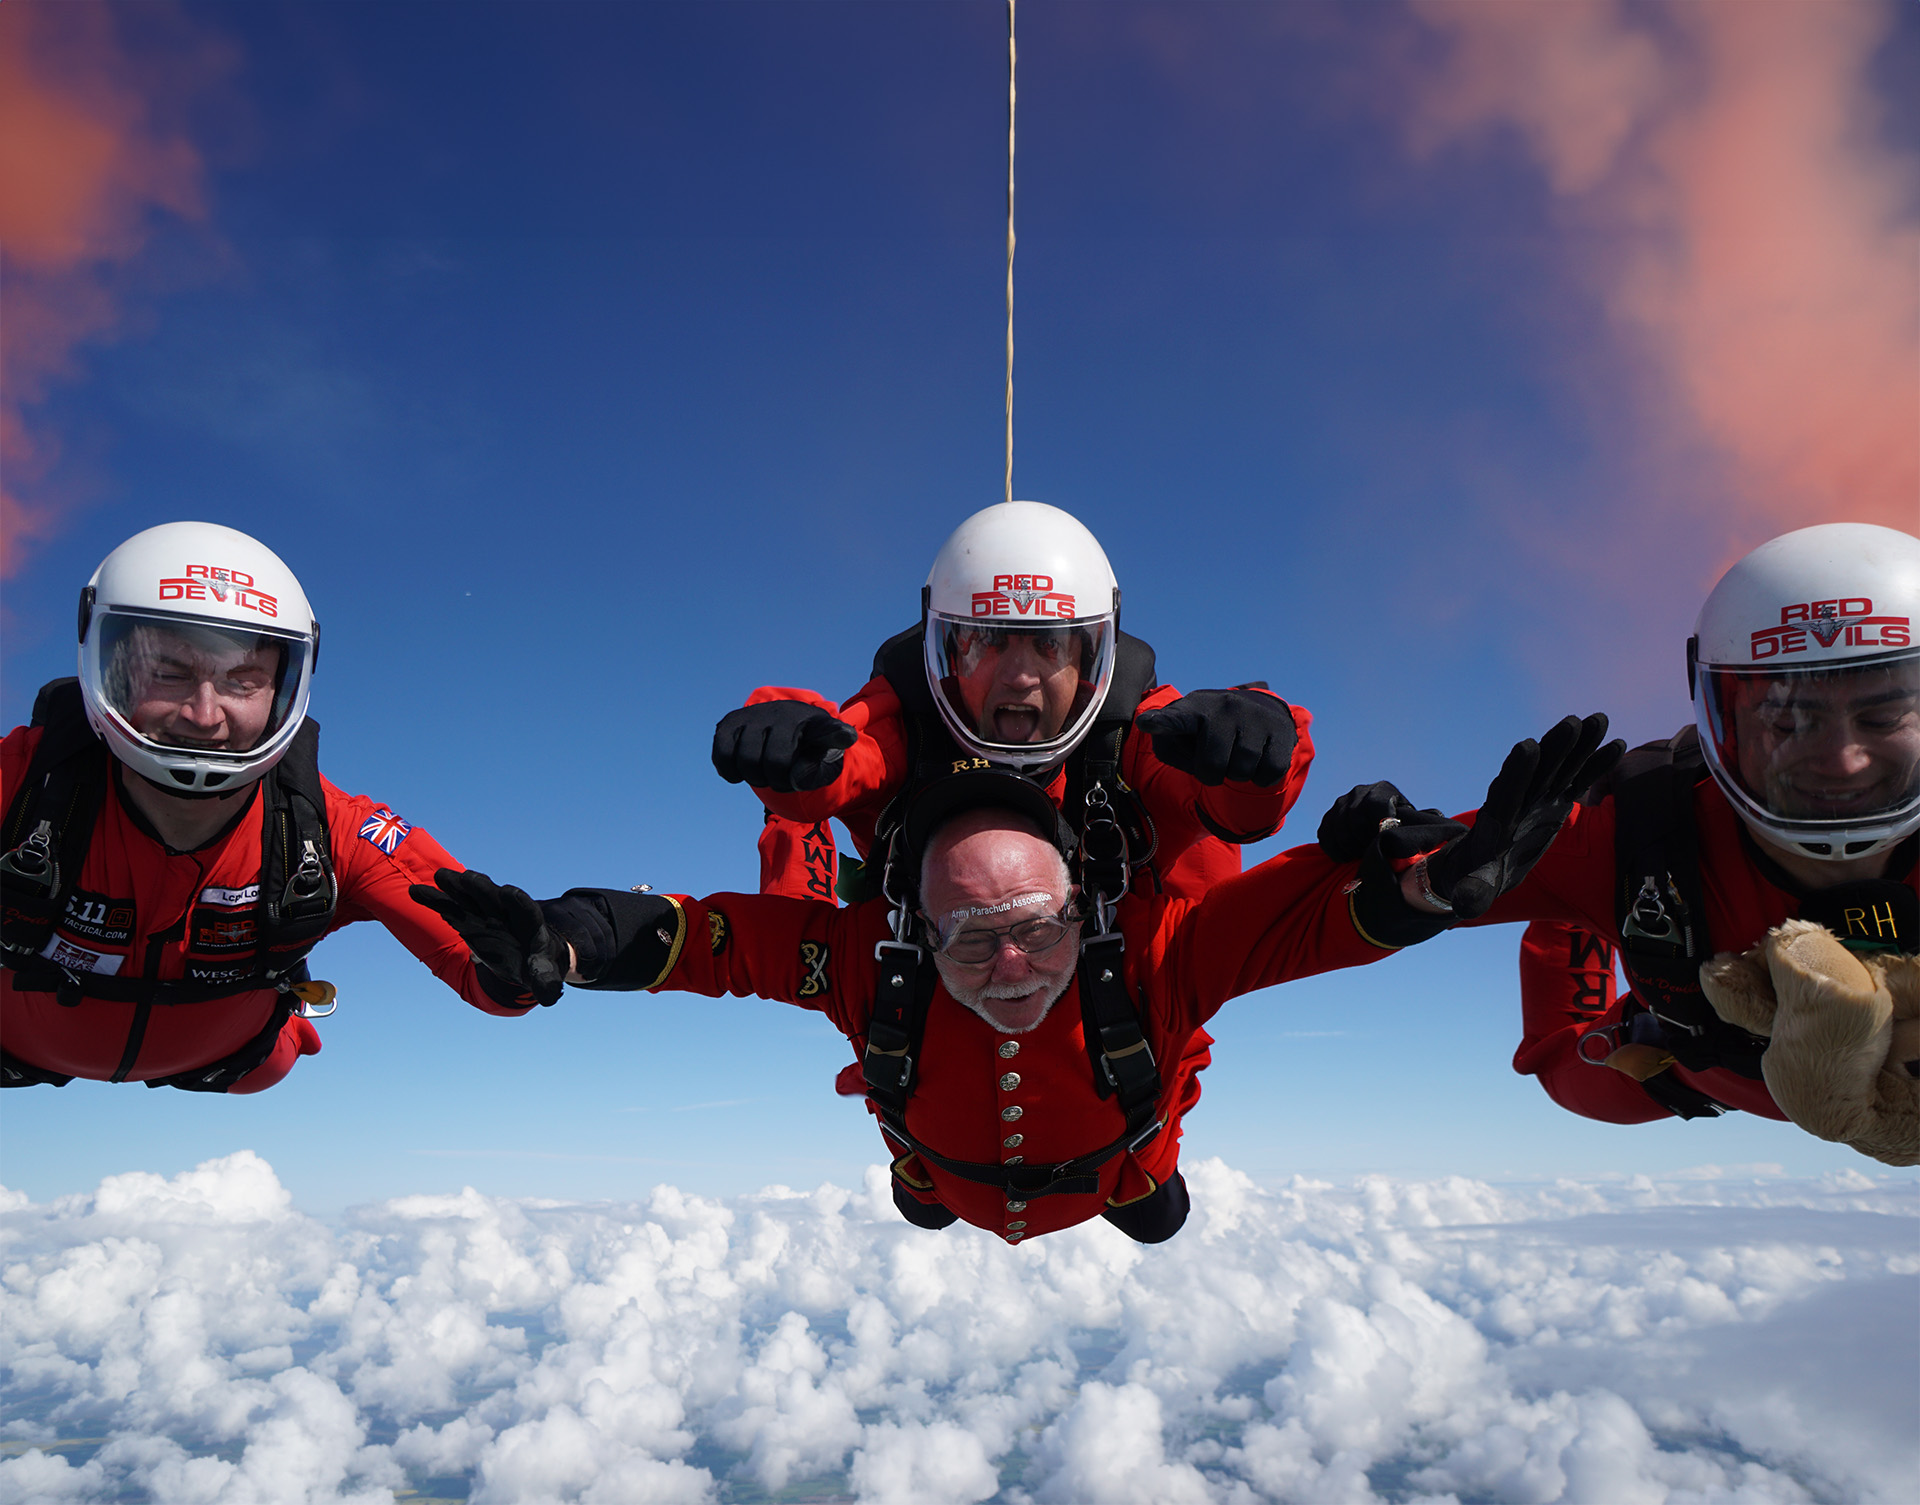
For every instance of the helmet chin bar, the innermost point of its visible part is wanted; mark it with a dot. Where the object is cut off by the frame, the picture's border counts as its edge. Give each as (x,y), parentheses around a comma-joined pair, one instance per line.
(235,786)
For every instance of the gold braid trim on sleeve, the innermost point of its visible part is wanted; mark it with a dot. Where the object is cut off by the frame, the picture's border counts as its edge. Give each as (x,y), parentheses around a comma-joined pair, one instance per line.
(679,940)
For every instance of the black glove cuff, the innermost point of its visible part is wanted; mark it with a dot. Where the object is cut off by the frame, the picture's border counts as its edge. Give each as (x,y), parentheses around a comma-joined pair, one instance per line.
(1382,916)
(509,995)
(621,941)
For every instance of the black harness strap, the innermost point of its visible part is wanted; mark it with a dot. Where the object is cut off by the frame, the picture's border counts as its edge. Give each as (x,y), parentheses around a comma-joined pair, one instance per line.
(298,889)
(904,986)
(1660,905)
(49,822)
(1122,1059)
(1122,1063)
(1077,1177)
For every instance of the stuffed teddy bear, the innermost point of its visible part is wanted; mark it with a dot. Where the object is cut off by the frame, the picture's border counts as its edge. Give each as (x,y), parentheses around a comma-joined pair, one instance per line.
(1843,1060)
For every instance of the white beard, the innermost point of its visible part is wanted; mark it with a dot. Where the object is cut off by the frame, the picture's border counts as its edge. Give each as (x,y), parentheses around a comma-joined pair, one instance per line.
(976,999)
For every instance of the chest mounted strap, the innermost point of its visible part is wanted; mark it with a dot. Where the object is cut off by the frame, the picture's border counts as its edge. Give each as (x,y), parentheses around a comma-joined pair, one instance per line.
(1117,1047)
(1660,907)
(49,822)
(904,980)
(298,888)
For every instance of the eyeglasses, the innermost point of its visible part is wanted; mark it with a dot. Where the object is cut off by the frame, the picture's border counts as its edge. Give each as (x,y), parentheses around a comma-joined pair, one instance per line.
(1041,933)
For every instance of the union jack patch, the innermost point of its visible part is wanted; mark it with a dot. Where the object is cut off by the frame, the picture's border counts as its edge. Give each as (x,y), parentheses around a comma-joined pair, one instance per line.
(384,829)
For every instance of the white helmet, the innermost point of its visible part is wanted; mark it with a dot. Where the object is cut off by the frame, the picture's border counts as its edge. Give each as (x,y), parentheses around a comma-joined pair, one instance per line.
(1806,686)
(1022,617)
(197,649)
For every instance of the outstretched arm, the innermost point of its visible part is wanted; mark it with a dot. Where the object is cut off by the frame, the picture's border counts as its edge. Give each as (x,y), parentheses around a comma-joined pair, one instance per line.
(1420,873)
(1340,902)
(377,857)
(796,951)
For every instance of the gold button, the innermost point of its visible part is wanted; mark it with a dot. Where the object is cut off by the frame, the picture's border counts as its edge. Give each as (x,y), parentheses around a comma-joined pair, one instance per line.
(1010,1114)
(1009,1049)
(1009,1080)
(1014,1141)
(1014,1238)
(1014,1159)
(1016,1207)
(1017,1223)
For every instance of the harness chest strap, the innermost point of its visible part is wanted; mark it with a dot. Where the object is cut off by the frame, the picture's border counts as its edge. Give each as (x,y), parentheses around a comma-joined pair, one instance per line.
(1660,909)
(1122,1063)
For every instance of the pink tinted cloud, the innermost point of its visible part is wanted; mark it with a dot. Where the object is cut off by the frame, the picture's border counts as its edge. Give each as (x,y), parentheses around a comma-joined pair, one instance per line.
(91,157)
(1720,171)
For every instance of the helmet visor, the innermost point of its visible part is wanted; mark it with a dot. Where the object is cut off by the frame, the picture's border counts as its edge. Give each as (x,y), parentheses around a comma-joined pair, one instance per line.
(1819,749)
(181,683)
(1022,689)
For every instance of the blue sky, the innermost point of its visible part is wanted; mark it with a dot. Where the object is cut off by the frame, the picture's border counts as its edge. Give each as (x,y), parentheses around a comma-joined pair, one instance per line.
(593,364)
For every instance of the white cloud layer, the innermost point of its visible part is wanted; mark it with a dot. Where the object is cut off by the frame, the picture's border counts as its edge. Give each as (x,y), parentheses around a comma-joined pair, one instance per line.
(1699,1341)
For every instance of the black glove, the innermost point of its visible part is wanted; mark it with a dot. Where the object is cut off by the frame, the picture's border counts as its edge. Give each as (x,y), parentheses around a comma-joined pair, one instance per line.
(1353,822)
(503,928)
(787,746)
(1524,810)
(1216,735)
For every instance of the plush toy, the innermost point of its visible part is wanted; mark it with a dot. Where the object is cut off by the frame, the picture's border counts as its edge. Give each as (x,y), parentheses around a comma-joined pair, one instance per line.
(1843,1060)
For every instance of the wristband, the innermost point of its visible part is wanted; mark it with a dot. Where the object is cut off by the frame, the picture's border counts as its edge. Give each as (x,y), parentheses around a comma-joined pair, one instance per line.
(1426,888)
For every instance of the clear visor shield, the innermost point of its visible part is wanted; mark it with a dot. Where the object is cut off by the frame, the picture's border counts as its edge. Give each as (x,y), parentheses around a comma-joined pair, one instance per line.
(1819,750)
(177,683)
(1023,690)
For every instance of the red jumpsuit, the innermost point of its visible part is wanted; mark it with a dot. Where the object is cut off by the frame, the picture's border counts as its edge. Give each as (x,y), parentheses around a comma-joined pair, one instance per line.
(145,910)
(1285,918)
(1566,968)
(1198,826)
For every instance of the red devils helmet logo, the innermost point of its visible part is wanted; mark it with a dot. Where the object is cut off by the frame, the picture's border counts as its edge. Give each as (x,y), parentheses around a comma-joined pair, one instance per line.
(1846,620)
(1023,596)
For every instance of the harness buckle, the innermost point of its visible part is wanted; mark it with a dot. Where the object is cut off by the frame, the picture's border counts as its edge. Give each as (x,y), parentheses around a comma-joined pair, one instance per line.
(1651,921)
(1146,1136)
(317,999)
(31,865)
(308,880)
(1605,1041)
(912,955)
(897,1063)
(1104,861)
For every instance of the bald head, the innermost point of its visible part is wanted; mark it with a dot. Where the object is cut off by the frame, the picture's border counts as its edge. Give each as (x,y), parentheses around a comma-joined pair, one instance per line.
(988,869)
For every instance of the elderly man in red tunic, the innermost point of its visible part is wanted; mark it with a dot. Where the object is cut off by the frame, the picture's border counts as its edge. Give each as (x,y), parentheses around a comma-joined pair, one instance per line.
(1023,1025)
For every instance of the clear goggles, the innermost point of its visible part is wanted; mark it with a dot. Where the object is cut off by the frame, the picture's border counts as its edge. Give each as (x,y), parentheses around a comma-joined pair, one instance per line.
(185,682)
(1028,691)
(1033,935)
(1818,749)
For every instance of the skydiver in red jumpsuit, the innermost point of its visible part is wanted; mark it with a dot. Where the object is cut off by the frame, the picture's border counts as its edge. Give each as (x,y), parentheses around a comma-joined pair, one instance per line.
(171,852)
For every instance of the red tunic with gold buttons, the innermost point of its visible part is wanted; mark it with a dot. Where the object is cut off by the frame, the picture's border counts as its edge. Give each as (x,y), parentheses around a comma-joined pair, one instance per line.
(984,1096)
(150,911)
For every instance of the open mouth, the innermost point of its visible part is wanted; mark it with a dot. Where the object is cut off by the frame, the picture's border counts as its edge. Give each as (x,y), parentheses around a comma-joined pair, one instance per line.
(1016,723)
(1839,802)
